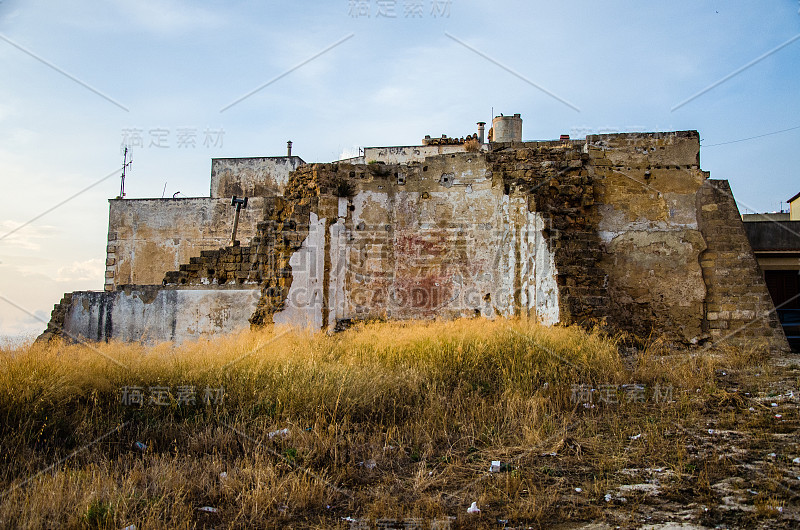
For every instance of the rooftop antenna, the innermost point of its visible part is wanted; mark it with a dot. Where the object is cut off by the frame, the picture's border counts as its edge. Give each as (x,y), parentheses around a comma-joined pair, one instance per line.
(125,165)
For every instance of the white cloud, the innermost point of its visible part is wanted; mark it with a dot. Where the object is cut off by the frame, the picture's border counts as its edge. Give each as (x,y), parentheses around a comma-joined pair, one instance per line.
(165,16)
(25,238)
(91,269)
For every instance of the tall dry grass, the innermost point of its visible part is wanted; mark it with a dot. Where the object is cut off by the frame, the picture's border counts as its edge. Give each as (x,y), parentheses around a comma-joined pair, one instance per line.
(385,420)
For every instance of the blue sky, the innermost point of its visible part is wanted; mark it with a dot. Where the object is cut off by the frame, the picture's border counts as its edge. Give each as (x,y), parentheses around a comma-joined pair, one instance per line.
(174,65)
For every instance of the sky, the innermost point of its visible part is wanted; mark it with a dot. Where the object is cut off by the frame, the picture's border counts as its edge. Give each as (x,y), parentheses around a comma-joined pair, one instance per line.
(184,82)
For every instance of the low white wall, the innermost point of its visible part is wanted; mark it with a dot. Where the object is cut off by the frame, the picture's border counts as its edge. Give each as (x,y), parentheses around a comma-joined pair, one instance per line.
(152,315)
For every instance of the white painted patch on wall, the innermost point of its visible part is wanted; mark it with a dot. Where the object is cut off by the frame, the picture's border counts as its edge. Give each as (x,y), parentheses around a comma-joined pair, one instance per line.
(303,306)
(539,287)
(340,257)
(526,264)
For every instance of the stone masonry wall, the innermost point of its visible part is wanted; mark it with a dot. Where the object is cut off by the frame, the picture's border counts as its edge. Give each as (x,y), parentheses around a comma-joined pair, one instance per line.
(555,178)
(55,326)
(738,306)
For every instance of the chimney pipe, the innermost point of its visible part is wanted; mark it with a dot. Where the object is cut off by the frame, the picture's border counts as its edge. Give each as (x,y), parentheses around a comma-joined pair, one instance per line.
(480,131)
(289,148)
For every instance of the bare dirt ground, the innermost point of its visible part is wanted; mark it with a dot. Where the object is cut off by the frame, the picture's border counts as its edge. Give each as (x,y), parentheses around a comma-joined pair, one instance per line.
(746,446)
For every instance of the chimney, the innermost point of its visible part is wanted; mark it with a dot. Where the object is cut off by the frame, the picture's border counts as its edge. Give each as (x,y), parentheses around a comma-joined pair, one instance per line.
(289,148)
(480,131)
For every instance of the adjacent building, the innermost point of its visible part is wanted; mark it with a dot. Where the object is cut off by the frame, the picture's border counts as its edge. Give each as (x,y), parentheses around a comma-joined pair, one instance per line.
(775,238)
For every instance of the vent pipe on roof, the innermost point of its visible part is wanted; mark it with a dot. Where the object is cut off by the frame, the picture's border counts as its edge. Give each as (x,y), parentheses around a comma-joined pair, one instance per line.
(289,148)
(480,131)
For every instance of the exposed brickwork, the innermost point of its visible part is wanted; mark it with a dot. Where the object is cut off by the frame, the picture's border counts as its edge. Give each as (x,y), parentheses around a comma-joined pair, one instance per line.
(560,186)
(57,317)
(225,266)
(278,238)
(264,264)
(738,306)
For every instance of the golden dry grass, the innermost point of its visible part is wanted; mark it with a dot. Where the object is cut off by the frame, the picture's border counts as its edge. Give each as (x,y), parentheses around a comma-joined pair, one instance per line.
(389,420)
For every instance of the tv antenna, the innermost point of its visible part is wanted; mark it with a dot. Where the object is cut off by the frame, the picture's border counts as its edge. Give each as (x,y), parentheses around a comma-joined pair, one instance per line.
(125,165)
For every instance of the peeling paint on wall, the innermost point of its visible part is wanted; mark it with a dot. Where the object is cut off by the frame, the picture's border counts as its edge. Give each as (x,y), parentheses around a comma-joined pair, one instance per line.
(304,302)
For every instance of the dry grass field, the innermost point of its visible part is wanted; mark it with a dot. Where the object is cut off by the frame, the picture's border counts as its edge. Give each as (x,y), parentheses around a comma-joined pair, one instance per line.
(396,425)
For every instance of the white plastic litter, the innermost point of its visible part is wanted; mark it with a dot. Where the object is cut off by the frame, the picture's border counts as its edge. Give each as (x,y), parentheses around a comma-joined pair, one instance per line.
(608,497)
(474,508)
(796,460)
(578,490)
(772,455)
(774,405)
(495,467)
(636,437)
(751,409)
(130,527)
(207,509)
(279,432)
(778,416)
(223,476)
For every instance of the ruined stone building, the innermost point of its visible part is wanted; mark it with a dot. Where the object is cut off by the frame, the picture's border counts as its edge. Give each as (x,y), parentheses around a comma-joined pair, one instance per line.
(622,230)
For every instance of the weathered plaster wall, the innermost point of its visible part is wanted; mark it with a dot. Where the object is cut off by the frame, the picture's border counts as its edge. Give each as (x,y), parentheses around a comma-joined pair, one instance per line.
(152,314)
(148,237)
(250,177)
(406,154)
(434,239)
(646,187)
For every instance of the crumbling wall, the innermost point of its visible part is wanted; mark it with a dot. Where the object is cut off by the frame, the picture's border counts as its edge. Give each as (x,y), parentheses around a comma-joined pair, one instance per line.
(556,183)
(440,238)
(739,309)
(646,185)
(623,230)
(148,237)
(55,325)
